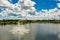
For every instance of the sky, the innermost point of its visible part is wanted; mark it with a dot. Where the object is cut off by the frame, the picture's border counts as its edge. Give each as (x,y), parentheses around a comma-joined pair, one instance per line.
(45,4)
(30,9)
(42,4)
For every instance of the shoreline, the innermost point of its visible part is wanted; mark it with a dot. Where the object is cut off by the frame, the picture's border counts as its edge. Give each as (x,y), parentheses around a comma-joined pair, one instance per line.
(27,21)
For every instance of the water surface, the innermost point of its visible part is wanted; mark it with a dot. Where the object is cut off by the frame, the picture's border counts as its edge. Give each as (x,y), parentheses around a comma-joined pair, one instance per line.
(32,31)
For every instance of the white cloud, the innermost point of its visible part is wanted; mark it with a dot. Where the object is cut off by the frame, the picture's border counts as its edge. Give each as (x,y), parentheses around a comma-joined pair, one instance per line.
(58,4)
(5,3)
(24,9)
(57,0)
(29,3)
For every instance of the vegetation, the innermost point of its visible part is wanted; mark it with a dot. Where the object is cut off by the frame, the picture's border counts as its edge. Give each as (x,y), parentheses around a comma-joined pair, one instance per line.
(27,21)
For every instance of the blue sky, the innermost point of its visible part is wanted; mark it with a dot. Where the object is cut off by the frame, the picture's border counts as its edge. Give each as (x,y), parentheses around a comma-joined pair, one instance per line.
(45,4)
(13,1)
(42,4)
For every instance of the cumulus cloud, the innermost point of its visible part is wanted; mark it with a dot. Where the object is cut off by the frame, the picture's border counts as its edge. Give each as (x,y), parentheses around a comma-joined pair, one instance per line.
(57,0)
(58,4)
(25,9)
(22,8)
(29,3)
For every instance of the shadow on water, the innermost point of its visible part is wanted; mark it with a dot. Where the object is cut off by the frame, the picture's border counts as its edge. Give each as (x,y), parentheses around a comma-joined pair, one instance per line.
(46,37)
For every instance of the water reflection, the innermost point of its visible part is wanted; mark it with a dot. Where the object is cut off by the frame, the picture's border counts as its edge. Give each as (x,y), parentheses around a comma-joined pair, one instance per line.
(32,31)
(12,32)
(47,31)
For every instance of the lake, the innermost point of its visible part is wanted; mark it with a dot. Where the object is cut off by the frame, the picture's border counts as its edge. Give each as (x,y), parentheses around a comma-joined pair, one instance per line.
(31,31)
